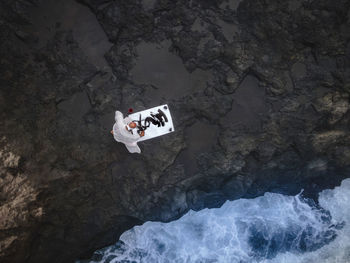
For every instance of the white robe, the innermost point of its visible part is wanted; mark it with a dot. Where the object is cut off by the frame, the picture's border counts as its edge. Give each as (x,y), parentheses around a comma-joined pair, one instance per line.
(122,135)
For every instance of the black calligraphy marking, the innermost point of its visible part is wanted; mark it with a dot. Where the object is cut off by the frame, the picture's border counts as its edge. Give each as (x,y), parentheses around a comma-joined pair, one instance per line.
(158,120)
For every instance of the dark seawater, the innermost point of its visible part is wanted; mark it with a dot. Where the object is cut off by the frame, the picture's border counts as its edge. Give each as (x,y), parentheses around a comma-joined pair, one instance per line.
(271,228)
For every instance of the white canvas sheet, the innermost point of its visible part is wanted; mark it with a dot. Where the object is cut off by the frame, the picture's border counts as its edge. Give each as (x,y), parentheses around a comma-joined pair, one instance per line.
(153,131)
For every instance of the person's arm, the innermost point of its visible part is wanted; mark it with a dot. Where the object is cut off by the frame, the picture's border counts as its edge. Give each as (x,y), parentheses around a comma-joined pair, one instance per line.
(118,117)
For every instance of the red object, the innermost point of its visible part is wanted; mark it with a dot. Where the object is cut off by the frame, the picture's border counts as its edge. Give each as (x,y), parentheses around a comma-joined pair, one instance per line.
(132,125)
(130,110)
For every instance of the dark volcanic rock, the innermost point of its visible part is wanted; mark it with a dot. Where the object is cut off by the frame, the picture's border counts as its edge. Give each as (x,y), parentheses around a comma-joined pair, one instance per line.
(259,92)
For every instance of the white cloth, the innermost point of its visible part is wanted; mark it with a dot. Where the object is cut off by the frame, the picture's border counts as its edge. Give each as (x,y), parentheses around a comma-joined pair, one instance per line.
(122,135)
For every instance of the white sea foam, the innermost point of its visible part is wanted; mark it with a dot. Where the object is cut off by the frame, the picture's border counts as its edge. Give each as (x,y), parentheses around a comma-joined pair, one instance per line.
(271,228)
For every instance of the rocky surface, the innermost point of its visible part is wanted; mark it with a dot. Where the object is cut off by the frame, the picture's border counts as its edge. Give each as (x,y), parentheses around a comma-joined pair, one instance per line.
(259,92)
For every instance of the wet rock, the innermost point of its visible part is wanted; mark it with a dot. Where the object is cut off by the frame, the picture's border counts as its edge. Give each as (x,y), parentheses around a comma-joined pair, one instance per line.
(335,104)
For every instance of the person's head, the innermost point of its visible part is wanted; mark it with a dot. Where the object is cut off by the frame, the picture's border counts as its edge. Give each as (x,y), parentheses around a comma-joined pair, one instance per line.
(132,125)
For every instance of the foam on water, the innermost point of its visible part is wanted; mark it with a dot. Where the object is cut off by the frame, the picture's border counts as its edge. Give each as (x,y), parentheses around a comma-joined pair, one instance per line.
(271,228)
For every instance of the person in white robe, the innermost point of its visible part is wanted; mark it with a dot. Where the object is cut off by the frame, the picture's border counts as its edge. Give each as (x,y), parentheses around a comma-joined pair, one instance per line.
(124,131)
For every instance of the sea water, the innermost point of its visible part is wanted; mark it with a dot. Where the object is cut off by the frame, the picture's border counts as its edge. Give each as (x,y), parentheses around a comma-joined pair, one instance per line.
(271,228)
